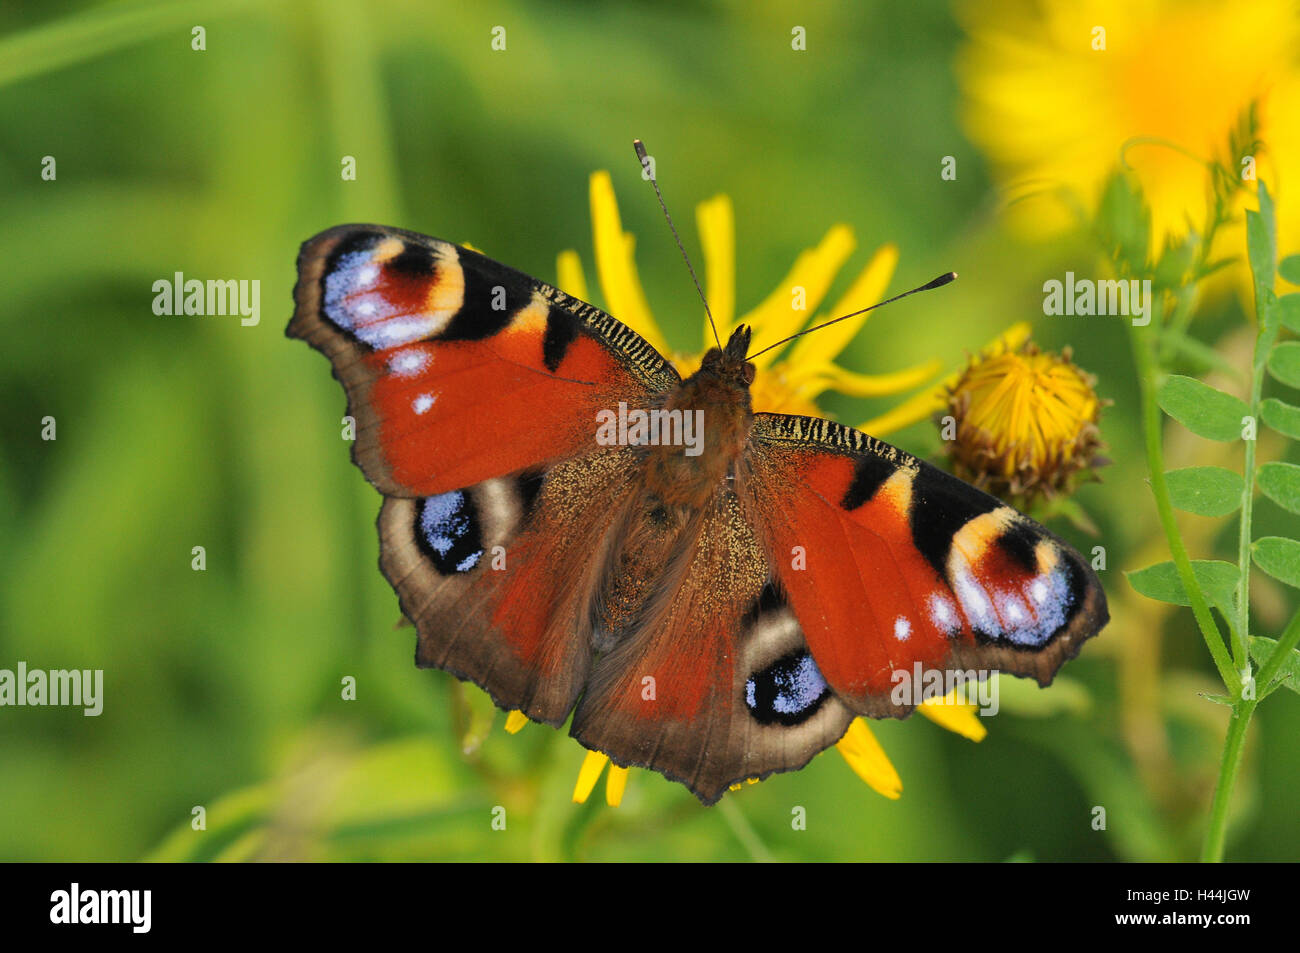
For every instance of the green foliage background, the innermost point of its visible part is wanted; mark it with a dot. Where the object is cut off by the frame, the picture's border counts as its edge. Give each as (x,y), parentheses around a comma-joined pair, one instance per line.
(223,687)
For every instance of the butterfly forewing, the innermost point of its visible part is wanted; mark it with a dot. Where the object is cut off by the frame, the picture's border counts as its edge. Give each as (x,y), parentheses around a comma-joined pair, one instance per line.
(457,368)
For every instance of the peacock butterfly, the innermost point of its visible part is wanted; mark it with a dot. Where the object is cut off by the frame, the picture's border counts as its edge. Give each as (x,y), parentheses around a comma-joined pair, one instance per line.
(766,587)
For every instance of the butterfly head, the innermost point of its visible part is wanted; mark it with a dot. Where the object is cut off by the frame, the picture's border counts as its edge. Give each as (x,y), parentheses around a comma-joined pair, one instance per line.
(728,363)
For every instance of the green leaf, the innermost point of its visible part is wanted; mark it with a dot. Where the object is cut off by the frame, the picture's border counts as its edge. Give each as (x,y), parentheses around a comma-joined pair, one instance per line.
(1262,649)
(1288,309)
(1289,268)
(1125,221)
(1217,699)
(1282,417)
(1278,557)
(1269,218)
(1281,484)
(1267,313)
(1284,363)
(1200,408)
(1261,240)
(1205,491)
(1217,579)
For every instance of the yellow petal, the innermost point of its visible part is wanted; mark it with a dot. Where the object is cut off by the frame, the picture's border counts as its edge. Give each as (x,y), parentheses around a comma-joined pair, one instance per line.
(616,266)
(615,784)
(813,379)
(956,716)
(588,775)
(910,411)
(716,221)
(867,289)
(784,311)
(569,276)
(925,404)
(868,760)
(515,720)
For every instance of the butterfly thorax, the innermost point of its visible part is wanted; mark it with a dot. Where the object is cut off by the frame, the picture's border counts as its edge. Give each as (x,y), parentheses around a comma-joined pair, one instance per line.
(717,399)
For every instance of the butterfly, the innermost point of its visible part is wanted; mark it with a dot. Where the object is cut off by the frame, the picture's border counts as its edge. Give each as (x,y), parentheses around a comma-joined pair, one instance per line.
(705,591)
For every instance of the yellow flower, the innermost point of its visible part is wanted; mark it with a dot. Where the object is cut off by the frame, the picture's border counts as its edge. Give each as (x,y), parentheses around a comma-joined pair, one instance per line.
(789,382)
(1054,91)
(1026,423)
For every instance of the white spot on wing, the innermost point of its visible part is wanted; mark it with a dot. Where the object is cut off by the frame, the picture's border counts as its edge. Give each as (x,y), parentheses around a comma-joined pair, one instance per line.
(409,362)
(397,331)
(422,403)
(975,603)
(1012,610)
(943,614)
(902,628)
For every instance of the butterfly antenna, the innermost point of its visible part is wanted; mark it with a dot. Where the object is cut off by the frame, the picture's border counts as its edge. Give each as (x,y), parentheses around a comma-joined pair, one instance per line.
(648,168)
(936,283)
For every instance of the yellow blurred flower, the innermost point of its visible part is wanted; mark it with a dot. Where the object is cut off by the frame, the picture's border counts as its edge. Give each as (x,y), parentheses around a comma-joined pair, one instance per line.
(1055,91)
(789,381)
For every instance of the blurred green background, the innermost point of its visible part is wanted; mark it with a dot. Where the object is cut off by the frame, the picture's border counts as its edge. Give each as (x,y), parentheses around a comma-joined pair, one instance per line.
(223,686)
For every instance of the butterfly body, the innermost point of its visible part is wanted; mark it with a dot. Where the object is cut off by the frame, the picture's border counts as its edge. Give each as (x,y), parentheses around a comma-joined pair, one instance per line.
(713,608)
(719,393)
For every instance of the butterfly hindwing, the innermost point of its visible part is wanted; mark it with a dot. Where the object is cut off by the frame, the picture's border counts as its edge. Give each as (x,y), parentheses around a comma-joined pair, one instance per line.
(888,562)
(498,577)
(457,368)
(712,682)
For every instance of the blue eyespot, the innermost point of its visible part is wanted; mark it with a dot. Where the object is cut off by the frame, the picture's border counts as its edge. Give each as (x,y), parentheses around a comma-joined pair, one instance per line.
(449,532)
(787,692)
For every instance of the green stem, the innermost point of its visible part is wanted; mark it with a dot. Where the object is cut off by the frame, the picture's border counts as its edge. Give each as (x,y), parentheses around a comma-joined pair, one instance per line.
(1243,708)
(1146,366)
(1239,635)
(744,831)
(1233,747)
